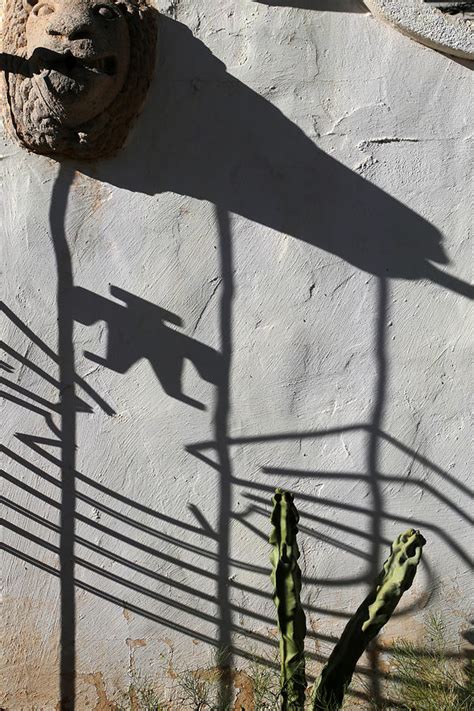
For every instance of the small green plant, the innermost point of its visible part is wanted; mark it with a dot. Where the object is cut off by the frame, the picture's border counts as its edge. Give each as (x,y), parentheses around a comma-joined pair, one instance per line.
(265,685)
(198,689)
(141,695)
(395,578)
(207,689)
(429,678)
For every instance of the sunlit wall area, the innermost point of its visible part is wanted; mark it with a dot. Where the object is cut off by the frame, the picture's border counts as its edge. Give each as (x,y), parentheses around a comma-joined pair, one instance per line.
(267,287)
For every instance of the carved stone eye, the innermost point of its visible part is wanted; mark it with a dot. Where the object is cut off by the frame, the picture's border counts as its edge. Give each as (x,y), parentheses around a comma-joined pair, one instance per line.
(42,9)
(106,11)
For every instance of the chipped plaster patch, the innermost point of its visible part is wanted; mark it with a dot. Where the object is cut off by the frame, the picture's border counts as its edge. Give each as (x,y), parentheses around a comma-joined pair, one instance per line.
(452,34)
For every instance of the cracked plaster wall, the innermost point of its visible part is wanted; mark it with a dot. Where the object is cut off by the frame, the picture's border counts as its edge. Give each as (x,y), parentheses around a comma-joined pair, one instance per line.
(309,340)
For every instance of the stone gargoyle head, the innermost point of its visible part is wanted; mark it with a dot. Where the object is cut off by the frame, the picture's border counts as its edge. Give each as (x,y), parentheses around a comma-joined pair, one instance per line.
(78,73)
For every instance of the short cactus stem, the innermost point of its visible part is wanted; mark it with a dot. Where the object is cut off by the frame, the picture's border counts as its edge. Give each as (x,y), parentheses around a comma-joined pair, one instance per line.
(286,580)
(395,578)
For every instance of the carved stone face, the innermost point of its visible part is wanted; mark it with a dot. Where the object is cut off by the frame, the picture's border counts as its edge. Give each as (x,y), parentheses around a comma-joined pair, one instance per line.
(79,54)
(79,72)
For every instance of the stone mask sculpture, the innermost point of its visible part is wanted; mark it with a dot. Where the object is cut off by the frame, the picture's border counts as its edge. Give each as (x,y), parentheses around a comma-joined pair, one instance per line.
(78,72)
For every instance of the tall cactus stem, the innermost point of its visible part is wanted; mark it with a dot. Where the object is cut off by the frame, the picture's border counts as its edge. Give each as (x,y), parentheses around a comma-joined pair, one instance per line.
(286,580)
(395,578)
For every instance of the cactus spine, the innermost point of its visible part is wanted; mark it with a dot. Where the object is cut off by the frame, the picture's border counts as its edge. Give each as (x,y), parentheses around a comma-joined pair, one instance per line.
(395,578)
(286,580)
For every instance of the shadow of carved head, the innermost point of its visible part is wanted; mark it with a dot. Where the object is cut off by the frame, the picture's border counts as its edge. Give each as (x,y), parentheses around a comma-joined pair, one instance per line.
(78,73)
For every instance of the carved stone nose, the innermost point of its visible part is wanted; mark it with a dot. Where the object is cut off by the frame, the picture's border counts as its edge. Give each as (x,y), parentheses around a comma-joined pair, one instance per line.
(71,26)
(76,33)
(81,32)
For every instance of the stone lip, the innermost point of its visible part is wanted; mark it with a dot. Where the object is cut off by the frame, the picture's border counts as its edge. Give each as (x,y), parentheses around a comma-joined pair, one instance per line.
(68,62)
(427,24)
(66,73)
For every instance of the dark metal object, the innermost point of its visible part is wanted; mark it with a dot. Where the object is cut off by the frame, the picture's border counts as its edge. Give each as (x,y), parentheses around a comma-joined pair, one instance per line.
(453,8)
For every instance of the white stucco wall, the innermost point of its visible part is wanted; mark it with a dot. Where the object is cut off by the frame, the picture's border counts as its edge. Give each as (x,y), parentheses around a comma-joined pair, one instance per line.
(292,181)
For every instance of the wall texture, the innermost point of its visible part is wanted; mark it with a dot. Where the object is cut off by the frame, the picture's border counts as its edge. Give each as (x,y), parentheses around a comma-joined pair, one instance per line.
(267,288)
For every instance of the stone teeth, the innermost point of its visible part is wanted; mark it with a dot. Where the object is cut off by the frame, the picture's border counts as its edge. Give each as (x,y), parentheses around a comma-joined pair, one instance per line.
(95,64)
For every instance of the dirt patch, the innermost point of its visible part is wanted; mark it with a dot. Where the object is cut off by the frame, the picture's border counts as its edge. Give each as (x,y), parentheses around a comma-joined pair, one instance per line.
(97,681)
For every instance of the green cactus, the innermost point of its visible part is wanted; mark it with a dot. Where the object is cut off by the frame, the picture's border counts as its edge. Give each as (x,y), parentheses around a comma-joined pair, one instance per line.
(286,580)
(395,578)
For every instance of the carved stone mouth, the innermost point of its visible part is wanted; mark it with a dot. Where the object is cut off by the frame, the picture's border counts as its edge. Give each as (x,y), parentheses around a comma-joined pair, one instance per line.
(68,64)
